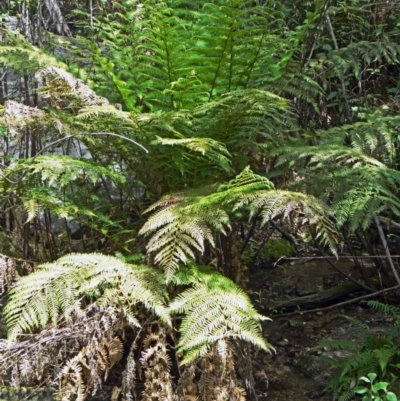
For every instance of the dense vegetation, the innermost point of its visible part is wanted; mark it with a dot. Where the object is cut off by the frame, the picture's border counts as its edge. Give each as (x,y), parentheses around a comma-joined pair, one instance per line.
(145,147)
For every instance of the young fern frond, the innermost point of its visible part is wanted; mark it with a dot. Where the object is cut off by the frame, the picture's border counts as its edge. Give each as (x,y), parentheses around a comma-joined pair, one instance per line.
(214,309)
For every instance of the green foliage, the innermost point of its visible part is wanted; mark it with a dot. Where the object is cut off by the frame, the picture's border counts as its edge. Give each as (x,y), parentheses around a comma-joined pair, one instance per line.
(185,56)
(213,308)
(42,180)
(183,222)
(366,355)
(303,92)
(17,53)
(193,71)
(58,289)
(374,391)
(360,180)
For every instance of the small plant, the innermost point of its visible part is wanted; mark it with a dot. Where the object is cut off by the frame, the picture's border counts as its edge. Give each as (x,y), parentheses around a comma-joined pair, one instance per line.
(374,391)
(366,355)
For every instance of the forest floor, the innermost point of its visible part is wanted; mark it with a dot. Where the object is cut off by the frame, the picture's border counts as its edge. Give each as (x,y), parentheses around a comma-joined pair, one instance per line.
(296,371)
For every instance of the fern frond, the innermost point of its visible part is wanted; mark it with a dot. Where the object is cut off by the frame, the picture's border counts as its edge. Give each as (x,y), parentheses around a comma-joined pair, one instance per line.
(42,180)
(30,306)
(178,229)
(215,309)
(17,53)
(55,290)
(363,363)
(209,148)
(362,329)
(339,344)
(61,85)
(60,170)
(381,307)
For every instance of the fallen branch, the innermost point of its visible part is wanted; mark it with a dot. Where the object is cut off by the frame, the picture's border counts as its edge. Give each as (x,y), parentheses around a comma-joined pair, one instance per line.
(350,301)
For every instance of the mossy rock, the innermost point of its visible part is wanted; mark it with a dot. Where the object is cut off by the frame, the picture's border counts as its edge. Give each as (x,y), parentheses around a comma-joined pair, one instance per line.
(275,248)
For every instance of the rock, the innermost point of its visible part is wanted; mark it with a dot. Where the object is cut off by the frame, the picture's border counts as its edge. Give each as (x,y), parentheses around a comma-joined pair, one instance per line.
(283,343)
(314,367)
(295,323)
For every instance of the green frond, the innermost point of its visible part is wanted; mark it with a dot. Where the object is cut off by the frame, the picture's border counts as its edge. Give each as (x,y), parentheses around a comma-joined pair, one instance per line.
(42,180)
(17,53)
(60,170)
(58,84)
(339,344)
(92,112)
(215,308)
(318,156)
(181,225)
(363,363)
(209,148)
(382,307)
(55,290)
(180,229)
(29,306)
(362,328)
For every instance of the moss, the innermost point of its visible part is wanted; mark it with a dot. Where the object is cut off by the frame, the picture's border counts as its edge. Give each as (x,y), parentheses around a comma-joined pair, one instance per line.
(276,248)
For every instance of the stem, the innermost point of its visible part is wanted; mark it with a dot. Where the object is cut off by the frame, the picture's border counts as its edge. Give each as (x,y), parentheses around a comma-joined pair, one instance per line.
(343,273)
(350,301)
(249,234)
(385,246)
(264,241)
(344,90)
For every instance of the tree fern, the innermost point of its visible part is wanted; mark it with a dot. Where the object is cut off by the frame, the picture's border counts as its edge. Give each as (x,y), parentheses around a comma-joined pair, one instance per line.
(180,228)
(213,308)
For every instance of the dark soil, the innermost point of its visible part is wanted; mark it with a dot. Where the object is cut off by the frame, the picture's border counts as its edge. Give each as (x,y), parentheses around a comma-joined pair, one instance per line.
(296,371)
